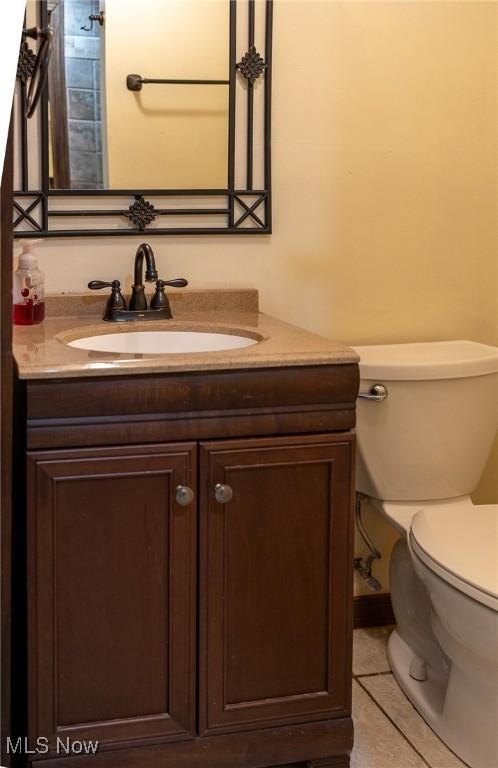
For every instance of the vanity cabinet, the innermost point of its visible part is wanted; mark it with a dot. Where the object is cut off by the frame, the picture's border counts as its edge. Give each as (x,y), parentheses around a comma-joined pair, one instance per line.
(273,565)
(111,568)
(209,629)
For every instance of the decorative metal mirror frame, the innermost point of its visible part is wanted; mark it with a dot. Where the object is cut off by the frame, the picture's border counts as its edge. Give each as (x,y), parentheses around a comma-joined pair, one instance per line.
(248,206)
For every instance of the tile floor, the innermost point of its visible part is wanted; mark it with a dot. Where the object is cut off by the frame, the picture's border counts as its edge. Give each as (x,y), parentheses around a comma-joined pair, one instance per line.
(389,732)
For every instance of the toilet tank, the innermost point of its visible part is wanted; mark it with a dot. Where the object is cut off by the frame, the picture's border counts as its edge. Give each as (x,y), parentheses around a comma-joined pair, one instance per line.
(430,438)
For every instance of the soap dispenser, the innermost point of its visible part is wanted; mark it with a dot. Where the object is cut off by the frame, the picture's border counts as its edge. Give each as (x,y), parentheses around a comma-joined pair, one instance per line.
(29,290)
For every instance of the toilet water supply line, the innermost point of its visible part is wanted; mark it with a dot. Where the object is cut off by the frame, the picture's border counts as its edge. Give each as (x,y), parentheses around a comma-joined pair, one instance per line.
(363,565)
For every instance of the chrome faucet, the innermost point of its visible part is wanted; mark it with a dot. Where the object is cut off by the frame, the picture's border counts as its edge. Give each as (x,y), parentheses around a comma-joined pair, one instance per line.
(159,308)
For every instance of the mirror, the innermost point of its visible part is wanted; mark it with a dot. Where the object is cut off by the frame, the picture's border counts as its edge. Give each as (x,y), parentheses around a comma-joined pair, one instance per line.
(155,115)
(104,135)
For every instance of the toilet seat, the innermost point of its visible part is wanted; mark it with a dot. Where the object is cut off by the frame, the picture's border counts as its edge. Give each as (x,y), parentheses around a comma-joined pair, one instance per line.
(459,542)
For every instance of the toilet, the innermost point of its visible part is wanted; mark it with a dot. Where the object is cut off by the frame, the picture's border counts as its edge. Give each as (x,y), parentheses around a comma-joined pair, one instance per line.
(426,420)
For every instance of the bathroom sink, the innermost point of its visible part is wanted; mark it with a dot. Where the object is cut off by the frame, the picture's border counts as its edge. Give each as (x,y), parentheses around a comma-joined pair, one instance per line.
(163,342)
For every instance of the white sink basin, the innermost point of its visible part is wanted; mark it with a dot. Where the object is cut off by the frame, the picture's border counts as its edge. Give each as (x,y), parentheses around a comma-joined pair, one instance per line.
(162,342)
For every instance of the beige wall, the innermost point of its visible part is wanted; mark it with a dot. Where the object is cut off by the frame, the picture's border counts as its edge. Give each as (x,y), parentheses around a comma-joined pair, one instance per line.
(172,136)
(385,185)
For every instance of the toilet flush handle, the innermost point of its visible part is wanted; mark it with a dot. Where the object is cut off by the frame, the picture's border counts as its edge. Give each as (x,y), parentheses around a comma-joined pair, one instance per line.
(377,393)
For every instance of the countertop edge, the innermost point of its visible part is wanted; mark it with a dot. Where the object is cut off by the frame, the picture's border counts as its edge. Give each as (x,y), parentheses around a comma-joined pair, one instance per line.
(126,368)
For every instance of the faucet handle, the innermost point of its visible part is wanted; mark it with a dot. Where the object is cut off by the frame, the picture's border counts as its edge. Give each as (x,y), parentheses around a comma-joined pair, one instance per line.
(160,300)
(96,285)
(115,300)
(177,282)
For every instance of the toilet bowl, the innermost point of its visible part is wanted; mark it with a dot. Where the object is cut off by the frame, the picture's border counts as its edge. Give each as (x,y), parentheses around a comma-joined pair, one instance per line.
(421,451)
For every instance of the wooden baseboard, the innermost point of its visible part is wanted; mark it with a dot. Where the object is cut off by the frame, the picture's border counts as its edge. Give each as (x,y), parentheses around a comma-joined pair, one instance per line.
(372,610)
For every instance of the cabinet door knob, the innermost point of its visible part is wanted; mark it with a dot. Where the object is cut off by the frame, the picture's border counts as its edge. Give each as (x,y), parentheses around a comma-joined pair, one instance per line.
(223,493)
(184,495)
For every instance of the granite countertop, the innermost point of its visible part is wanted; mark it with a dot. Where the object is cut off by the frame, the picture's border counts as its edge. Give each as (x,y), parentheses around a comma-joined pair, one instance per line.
(42,352)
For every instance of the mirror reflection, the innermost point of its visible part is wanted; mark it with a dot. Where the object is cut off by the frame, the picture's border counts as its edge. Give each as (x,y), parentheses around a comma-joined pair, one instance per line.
(109,131)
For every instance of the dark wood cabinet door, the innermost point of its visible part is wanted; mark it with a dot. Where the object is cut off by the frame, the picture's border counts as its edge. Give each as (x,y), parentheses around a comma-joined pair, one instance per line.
(112,586)
(276,573)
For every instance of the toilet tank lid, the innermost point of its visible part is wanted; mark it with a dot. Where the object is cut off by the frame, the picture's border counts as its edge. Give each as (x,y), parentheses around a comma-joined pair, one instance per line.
(427,360)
